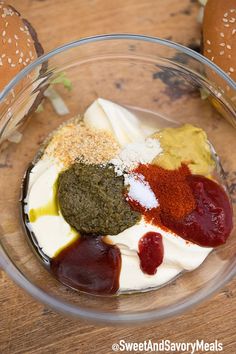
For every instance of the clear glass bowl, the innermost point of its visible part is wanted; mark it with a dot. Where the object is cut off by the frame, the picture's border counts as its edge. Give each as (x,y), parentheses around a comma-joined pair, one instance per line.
(137,71)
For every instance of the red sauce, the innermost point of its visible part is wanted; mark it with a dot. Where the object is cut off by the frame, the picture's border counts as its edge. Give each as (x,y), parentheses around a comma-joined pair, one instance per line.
(151,252)
(210,223)
(89,264)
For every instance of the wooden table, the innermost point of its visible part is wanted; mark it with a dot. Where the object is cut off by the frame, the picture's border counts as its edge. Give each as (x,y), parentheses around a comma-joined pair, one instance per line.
(27,326)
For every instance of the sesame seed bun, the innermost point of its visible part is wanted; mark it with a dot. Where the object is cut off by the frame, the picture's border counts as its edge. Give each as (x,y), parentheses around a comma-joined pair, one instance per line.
(19,43)
(219,34)
(19,47)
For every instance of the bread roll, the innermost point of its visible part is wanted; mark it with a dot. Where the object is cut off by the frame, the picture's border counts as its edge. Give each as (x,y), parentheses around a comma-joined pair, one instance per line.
(219,36)
(19,47)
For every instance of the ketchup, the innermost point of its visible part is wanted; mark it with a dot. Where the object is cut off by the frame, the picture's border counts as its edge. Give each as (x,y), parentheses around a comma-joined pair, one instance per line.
(151,252)
(210,223)
(89,264)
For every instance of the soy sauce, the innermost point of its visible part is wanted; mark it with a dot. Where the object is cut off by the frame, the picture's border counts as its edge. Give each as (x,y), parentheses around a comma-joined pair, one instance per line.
(89,264)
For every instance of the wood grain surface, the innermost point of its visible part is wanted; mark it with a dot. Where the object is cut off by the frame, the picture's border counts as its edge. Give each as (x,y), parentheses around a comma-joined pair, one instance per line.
(27,326)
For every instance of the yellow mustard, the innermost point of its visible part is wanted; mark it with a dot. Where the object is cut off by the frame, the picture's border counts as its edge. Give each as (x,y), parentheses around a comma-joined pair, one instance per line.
(187,144)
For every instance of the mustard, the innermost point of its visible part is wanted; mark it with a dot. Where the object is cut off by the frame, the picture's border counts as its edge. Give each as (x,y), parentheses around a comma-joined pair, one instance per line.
(187,144)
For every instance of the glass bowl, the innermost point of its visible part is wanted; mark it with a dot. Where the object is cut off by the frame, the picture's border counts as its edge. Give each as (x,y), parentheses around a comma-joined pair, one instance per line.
(136,71)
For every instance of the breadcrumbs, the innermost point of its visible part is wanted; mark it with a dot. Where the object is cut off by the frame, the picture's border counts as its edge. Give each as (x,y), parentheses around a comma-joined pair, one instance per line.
(76,141)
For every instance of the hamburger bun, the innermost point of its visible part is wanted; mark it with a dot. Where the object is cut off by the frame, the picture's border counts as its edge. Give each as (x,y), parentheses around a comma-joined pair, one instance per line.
(219,38)
(19,47)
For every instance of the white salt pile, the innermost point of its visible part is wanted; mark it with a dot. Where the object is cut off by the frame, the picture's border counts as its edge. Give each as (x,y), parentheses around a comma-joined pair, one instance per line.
(140,191)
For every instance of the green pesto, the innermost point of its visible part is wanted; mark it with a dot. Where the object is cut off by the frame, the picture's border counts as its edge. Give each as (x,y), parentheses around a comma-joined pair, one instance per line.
(91,199)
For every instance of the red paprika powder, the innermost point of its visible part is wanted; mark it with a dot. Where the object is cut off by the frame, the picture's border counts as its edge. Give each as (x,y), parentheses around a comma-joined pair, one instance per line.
(170,188)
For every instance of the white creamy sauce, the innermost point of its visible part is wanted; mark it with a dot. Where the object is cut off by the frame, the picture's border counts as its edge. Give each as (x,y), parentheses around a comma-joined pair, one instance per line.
(111,117)
(53,232)
(179,255)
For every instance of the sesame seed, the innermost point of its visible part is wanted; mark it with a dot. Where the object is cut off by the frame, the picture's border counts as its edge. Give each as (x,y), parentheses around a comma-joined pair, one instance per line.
(3,55)
(208,50)
(28,40)
(208,42)
(24,63)
(226,14)
(222,34)
(17,51)
(3,33)
(222,52)
(13,65)
(229,56)
(232,10)
(228,73)
(9,40)
(232,20)
(231,70)
(225,20)
(3,15)
(22,29)
(20,60)
(16,44)
(27,60)
(16,37)
(226,25)
(234,31)
(9,60)
(228,46)
(1,62)
(222,44)
(212,58)
(26,28)
(21,54)
(8,11)
(28,45)
(6,24)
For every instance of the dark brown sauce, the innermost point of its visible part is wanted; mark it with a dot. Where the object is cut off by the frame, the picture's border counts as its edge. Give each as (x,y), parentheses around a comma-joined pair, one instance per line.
(89,264)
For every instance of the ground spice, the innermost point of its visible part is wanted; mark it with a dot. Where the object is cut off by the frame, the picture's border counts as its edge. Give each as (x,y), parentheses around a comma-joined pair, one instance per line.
(170,188)
(75,140)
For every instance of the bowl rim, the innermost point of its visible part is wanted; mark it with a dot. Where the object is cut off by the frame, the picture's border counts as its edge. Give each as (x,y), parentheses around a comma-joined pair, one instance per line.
(87,314)
(116,36)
